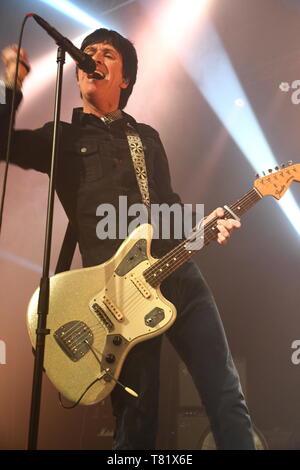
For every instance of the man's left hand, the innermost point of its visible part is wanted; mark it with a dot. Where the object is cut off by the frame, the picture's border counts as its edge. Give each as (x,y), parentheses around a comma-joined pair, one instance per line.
(225,227)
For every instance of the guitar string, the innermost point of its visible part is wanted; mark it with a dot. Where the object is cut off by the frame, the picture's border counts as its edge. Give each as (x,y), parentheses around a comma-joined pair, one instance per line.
(208,226)
(247,201)
(249,196)
(80,339)
(179,256)
(74,329)
(178,252)
(155,278)
(77,328)
(76,342)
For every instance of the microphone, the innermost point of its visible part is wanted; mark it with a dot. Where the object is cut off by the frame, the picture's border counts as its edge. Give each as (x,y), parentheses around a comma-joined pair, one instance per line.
(83,60)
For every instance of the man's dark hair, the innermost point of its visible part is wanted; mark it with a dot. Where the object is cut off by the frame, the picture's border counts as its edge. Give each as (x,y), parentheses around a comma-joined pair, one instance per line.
(127,51)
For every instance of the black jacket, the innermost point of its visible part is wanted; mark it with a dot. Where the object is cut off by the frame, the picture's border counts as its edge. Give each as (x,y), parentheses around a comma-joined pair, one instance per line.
(94,167)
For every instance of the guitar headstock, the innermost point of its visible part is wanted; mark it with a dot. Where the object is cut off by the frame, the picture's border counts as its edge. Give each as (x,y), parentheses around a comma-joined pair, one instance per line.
(276,184)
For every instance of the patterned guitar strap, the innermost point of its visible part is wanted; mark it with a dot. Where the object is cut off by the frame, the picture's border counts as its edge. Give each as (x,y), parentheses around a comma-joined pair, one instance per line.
(137,155)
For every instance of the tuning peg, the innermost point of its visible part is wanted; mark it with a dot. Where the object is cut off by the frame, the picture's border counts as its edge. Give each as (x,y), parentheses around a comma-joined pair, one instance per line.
(282,165)
(290,162)
(257,175)
(276,168)
(264,173)
(270,170)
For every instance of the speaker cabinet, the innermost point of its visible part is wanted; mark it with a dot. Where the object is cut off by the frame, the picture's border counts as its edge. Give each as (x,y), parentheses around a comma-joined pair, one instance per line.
(191,426)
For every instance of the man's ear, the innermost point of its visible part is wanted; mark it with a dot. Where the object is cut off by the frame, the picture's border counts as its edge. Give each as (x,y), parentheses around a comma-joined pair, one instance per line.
(125,83)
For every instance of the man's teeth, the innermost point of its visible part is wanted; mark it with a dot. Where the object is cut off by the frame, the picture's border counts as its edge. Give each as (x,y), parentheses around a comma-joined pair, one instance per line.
(98,75)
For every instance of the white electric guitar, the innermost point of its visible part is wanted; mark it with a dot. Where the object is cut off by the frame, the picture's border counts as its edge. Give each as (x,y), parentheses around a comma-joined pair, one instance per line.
(96,315)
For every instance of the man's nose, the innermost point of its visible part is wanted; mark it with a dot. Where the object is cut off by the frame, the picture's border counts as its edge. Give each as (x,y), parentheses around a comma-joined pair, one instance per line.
(98,57)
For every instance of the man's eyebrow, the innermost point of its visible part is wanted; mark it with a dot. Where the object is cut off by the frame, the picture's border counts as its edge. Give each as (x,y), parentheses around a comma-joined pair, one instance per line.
(105,49)
(109,49)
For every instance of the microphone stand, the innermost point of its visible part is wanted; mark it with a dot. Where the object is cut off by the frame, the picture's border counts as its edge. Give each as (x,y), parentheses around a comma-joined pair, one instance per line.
(43,303)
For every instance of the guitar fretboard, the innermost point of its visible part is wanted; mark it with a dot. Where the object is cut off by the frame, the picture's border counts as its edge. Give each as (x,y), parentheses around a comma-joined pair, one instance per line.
(201,236)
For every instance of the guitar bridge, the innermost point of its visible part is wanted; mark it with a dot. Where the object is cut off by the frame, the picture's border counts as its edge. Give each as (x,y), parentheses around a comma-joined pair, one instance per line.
(102,316)
(74,339)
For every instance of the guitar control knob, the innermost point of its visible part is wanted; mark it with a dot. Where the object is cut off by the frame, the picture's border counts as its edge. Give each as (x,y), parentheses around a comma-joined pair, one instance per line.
(117,340)
(110,358)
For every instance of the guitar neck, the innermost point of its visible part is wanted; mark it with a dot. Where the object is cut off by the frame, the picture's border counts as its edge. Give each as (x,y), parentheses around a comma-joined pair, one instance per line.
(202,236)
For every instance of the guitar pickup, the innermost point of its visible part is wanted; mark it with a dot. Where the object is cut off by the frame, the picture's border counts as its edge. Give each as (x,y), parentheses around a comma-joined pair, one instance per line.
(140,286)
(113,308)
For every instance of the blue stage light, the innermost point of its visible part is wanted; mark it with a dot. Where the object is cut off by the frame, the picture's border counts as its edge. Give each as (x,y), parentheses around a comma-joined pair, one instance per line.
(216,79)
(77,14)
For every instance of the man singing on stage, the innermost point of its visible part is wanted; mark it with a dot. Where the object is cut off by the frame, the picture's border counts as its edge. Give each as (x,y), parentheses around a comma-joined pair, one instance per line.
(96,166)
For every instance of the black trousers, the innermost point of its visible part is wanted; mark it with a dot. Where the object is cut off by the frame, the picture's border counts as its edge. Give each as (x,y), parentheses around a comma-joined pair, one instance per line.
(199,338)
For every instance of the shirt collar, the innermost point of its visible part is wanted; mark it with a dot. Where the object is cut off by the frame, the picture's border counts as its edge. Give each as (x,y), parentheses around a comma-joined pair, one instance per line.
(80,118)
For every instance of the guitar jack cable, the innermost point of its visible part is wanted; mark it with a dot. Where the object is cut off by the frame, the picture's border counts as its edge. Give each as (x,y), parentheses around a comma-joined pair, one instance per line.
(107,372)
